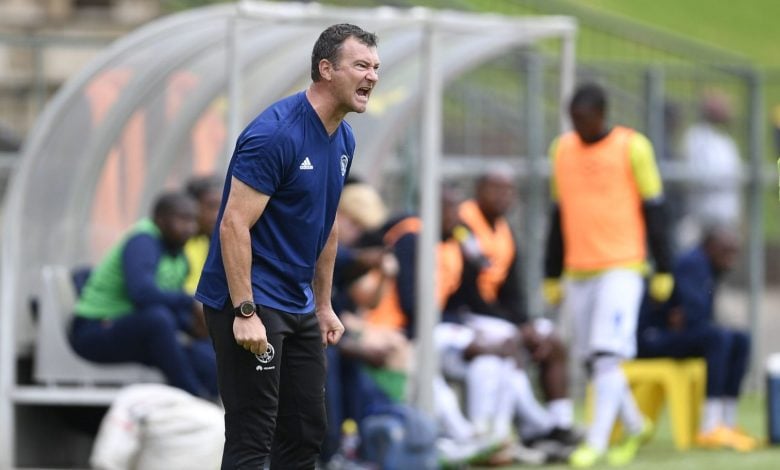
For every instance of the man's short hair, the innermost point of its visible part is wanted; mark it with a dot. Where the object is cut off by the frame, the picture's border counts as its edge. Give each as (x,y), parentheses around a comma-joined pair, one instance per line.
(170,202)
(589,95)
(328,45)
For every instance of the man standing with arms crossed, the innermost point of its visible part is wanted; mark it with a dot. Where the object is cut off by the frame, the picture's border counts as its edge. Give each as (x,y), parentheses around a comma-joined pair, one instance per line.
(266,285)
(608,207)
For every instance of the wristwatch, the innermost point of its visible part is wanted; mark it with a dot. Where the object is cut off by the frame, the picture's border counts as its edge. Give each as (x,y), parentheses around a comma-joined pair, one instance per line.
(245,309)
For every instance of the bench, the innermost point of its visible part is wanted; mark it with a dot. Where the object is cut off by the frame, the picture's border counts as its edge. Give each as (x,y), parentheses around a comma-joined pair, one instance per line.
(56,363)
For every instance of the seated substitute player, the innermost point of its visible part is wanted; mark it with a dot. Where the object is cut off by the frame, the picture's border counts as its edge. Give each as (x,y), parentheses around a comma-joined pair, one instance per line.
(134,306)
(685,326)
(395,312)
(491,286)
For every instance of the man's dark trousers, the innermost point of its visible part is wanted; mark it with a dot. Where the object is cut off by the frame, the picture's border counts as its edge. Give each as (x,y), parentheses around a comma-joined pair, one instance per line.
(274,403)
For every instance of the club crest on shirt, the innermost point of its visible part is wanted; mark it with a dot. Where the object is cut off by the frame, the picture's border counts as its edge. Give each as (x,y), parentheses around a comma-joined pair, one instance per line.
(344,162)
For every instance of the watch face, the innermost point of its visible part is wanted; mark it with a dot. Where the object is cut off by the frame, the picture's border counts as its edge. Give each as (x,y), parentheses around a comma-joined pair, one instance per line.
(247,309)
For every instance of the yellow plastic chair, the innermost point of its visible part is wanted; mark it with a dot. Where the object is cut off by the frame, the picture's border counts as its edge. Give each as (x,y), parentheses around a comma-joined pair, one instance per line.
(679,382)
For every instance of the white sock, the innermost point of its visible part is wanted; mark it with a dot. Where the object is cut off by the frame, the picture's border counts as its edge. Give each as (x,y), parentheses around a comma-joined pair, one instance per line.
(632,418)
(451,420)
(562,410)
(535,420)
(713,414)
(609,386)
(730,412)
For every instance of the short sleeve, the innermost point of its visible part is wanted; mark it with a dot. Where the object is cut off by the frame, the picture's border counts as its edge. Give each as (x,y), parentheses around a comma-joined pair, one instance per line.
(643,164)
(260,163)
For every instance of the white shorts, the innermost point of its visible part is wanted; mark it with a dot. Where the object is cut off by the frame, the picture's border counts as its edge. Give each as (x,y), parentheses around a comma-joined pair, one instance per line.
(603,311)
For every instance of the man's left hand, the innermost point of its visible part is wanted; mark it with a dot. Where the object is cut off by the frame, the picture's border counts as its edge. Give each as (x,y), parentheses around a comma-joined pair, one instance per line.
(330,326)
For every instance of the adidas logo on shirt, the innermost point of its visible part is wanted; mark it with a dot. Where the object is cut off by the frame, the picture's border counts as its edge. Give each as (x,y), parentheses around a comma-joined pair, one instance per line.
(306,165)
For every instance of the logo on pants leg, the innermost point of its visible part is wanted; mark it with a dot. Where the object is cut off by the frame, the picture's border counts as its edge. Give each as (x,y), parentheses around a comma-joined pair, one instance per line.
(265,358)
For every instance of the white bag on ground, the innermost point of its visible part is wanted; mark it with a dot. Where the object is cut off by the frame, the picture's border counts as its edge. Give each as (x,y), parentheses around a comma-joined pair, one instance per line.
(157,427)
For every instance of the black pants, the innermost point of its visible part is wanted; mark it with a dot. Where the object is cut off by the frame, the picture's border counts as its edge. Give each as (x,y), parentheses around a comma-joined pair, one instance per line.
(274,403)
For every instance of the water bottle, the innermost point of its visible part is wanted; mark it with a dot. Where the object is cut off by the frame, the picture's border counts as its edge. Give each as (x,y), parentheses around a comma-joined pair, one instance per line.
(350,439)
(773,397)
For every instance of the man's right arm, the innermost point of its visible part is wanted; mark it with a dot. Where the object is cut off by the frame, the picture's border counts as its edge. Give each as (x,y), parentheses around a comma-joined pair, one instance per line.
(243,208)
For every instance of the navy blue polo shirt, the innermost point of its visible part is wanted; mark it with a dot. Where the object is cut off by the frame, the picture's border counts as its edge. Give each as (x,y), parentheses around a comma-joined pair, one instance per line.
(287,154)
